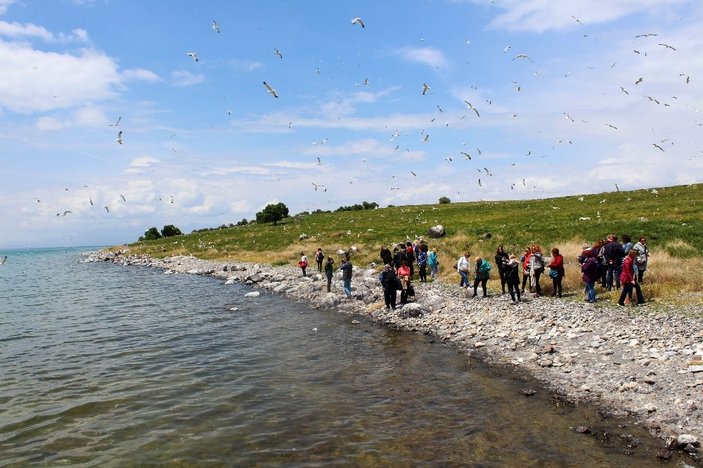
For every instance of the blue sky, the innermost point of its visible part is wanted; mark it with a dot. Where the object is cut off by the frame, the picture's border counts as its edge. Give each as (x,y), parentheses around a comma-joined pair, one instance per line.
(569,97)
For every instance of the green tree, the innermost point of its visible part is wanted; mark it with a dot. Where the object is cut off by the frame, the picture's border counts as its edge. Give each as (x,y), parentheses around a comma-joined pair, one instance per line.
(272,213)
(152,234)
(170,230)
(444,201)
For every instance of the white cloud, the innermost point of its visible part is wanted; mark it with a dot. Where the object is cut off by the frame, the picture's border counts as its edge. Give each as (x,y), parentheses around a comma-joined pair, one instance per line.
(425,55)
(139,164)
(50,124)
(24,30)
(183,78)
(4,4)
(140,74)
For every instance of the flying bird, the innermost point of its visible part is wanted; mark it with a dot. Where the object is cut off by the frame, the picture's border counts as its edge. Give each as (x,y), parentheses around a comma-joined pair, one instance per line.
(425,88)
(278,53)
(523,56)
(358,21)
(639,80)
(91,201)
(426,139)
(193,55)
(667,46)
(107,209)
(119,137)
(414,175)
(577,20)
(270,90)
(317,186)
(116,123)
(467,156)
(123,198)
(623,90)
(659,147)
(64,213)
(611,126)
(215,27)
(471,107)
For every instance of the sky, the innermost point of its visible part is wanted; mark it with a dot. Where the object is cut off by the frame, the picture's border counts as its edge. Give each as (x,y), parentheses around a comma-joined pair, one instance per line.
(465,99)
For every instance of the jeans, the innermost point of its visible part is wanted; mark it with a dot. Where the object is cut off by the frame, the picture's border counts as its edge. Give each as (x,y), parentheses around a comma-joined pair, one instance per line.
(433,269)
(627,290)
(613,271)
(538,288)
(347,286)
(464,278)
(591,291)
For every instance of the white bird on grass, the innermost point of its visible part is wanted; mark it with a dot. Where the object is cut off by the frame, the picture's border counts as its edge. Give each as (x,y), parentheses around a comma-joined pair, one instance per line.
(270,90)
(358,21)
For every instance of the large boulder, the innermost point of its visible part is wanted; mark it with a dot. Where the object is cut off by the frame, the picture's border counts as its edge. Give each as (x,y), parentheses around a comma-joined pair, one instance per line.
(436,231)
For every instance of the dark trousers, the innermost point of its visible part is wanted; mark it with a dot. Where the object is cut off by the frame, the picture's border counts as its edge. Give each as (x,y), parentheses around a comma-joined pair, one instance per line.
(525,279)
(404,296)
(640,275)
(319,266)
(613,273)
(502,280)
(329,283)
(556,284)
(627,290)
(483,286)
(538,288)
(423,273)
(389,296)
(514,290)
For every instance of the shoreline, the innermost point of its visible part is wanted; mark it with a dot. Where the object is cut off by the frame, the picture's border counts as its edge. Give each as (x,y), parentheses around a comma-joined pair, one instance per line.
(627,360)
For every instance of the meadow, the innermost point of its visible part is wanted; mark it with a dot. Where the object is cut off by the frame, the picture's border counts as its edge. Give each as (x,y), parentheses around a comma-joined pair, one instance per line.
(670,218)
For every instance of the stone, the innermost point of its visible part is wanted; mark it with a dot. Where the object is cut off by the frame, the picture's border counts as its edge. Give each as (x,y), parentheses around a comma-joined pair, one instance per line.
(253,294)
(686,439)
(436,232)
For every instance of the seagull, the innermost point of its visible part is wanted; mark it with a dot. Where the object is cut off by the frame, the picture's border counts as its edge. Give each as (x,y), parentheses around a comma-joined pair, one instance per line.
(426,139)
(425,88)
(319,163)
(317,186)
(623,90)
(525,56)
(64,213)
(107,209)
(667,46)
(479,183)
(215,27)
(646,35)
(358,21)
(414,175)
(471,107)
(119,137)
(617,189)
(116,123)
(577,20)
(123,198)
(278,53)
(91,201)
(639,80)
(507,48)
(659,147)
(271,90)
(193,55)
(467,156)
(611,126)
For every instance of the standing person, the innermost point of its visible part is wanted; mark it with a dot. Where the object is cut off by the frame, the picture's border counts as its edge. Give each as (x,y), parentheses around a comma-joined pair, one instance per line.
(390,285)
(536,268)
(501,258)
(481,274)
(433,262)
(525,260)
(556,271)
(626,244)
(346,268)
(599,249)
(642,258)
(590,275)
(319,258)
(329,271)
(512,277)
(410,257)
(463,266)
(399,256)
(628,278)
(422,264)
(303,263)
(386,256)
(404,277)
(614,254)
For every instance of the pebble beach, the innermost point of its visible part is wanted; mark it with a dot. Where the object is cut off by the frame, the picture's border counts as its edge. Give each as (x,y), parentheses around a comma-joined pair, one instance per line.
(634,361)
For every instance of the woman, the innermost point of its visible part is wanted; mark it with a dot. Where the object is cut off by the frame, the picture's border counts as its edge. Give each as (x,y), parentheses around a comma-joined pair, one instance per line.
(319,257)
(433,261)
(303,263)
(501,258)
(329,271)
(512,277)
(462,266)
(390,285)
(642,258)
(422,263)
(536,268)
(628,279)
(481,274)
(525,260)
(404,277)
(590,275)
(557,271)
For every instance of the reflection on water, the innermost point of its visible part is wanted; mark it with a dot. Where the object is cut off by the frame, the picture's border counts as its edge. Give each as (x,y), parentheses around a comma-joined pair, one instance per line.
(106,365)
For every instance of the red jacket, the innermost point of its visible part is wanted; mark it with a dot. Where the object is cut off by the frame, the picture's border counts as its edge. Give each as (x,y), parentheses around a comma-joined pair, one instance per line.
(627,274)
(557,264)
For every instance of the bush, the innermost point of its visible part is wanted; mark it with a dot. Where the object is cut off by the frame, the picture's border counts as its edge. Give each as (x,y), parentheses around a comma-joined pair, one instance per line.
(272,213)
(152,234)
(444,201)
(170,230)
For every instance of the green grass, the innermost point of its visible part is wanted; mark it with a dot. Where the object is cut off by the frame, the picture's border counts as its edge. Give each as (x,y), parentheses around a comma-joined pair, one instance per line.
(671,219)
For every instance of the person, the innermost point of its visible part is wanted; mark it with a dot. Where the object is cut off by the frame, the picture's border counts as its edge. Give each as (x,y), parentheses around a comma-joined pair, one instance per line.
(614,254)
(422,264)
(319,258)
(512,277)
(403,274)
(628,278)
(626,244)
(599,250)
(481,275)
(399,256)
(590,274)
(433,262)
(410,257)
(525,260)
(501,258)
(556,272)
(389,281)
(462,266)
(386,256)
(303,263)
(346,268)
(329,271)
(642,258)
(536,268)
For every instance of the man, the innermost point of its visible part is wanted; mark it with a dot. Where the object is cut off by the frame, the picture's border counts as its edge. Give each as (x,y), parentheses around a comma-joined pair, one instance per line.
(614,254)
(346,268)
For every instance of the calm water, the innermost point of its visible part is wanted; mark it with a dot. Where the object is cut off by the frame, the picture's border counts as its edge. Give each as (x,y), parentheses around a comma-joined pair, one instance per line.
(103,365)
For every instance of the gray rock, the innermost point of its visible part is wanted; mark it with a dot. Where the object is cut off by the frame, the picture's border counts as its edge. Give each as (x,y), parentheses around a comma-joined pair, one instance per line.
(436,232)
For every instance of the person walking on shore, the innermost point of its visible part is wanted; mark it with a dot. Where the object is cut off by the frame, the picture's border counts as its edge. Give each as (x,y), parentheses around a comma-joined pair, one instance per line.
(329,272)
(422,263)
(433,262)
(628,278)
(536,268)
(389,281)
(512,277)
(556,271)
(614,254)
(501,259)
(319,258)
(642,258)
(404,277)
(525,261)
(386,255)
(463,266)
(591,274)
(303,263)
(481,274)
(346,268)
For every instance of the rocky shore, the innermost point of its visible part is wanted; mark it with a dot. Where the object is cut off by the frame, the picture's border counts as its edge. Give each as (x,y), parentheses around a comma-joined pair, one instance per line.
(626,360)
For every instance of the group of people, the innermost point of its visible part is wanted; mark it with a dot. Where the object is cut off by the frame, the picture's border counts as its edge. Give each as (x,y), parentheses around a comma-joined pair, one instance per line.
(608,262)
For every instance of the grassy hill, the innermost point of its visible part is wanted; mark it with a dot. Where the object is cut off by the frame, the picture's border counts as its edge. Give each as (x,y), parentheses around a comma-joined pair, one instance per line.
(671,218)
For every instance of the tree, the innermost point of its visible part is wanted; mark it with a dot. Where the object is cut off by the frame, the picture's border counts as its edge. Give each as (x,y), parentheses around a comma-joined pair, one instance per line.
(170,230)
(444,201)
(272,213)
(152,234)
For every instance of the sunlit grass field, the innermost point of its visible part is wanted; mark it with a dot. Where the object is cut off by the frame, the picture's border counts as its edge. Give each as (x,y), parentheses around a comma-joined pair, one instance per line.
(670,218)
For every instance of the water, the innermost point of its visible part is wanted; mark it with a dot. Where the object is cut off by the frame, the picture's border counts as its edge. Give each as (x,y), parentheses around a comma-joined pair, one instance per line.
(103,365)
